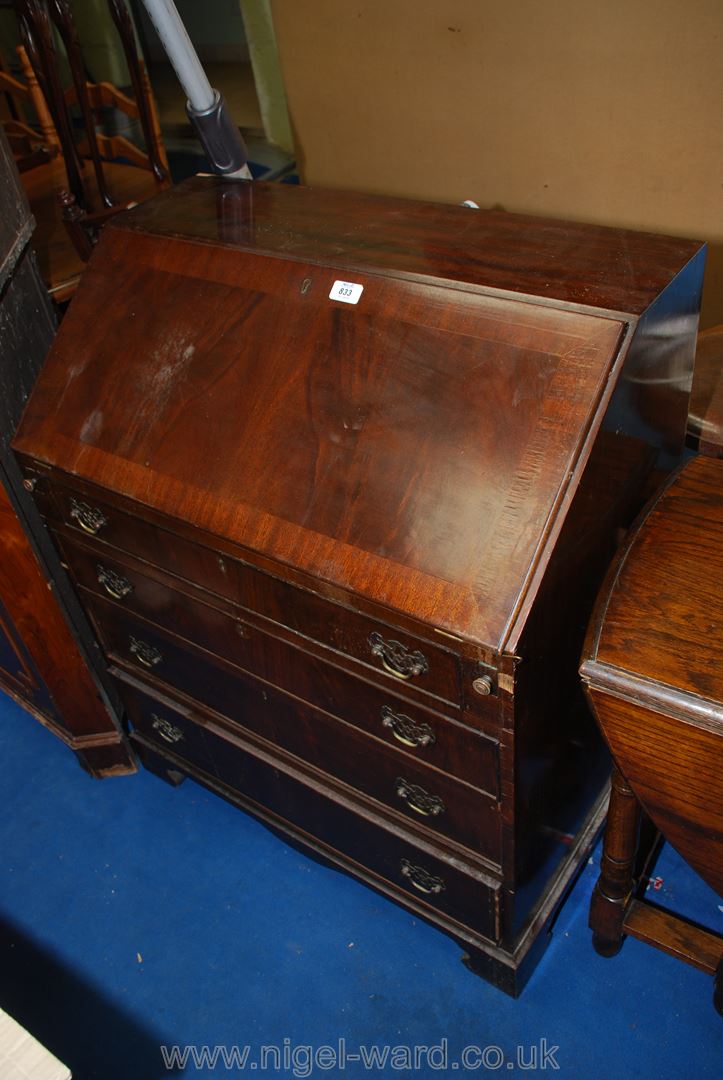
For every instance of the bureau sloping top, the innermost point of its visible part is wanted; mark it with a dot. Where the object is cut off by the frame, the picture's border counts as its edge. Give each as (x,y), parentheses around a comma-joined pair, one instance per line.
(417,447)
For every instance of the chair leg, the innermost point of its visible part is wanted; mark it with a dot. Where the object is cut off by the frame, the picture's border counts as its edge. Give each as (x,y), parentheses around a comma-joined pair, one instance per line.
(42,112)
(73,219)
(613,891)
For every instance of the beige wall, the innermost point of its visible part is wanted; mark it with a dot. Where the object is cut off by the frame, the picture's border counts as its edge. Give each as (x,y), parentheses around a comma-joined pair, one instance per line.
(259,28)
(605,111)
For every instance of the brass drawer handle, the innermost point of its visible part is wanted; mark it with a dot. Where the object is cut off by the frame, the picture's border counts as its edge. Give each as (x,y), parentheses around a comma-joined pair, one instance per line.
(421,879)
(397,659)
(418,799)
(114,584)
(90,519)
(166,729)
(405,730)
(145,654)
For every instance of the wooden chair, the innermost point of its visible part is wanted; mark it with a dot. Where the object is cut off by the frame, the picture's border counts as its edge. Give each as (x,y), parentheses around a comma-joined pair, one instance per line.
(26,120)
(99,174)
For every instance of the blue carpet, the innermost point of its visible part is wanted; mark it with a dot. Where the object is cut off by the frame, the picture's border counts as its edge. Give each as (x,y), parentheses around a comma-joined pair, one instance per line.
(133,915)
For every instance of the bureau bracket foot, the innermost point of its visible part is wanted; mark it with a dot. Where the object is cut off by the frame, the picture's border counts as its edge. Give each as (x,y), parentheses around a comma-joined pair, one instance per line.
(506,975)
(159,766)
(484,967)
(173,777)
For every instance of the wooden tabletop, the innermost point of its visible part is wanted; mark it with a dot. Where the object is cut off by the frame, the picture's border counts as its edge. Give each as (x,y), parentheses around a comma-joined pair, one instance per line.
(662,616)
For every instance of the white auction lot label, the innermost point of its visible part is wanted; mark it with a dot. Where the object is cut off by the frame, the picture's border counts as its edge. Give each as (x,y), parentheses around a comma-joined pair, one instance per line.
(346,291)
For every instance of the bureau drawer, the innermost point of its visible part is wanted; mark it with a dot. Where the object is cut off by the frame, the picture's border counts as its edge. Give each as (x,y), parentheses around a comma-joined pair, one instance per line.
(393,654)
(169,727)
(410,866)
(424,795)
(414,731)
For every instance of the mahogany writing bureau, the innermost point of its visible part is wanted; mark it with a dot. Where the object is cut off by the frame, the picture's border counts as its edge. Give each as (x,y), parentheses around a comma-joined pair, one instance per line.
(340,541)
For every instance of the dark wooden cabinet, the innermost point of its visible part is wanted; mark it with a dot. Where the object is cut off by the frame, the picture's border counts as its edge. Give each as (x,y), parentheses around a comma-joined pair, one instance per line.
(49,661)
(340,541)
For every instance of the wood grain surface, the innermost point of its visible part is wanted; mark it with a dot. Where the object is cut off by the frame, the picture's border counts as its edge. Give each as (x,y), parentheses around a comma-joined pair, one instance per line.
(412,448)
(664,616)
(613,269)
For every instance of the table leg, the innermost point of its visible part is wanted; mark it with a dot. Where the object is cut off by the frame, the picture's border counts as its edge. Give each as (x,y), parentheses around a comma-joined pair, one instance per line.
(614,888)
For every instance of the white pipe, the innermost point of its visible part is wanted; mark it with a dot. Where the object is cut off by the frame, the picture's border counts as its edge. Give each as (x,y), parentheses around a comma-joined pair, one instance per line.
(181,53)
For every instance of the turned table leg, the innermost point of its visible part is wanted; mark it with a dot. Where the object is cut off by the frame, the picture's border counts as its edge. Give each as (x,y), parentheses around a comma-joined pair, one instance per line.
(613,891)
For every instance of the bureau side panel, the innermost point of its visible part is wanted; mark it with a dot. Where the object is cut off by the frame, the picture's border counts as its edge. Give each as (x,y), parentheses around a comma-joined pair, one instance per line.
(652,397)
(560,760)
(561,764)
